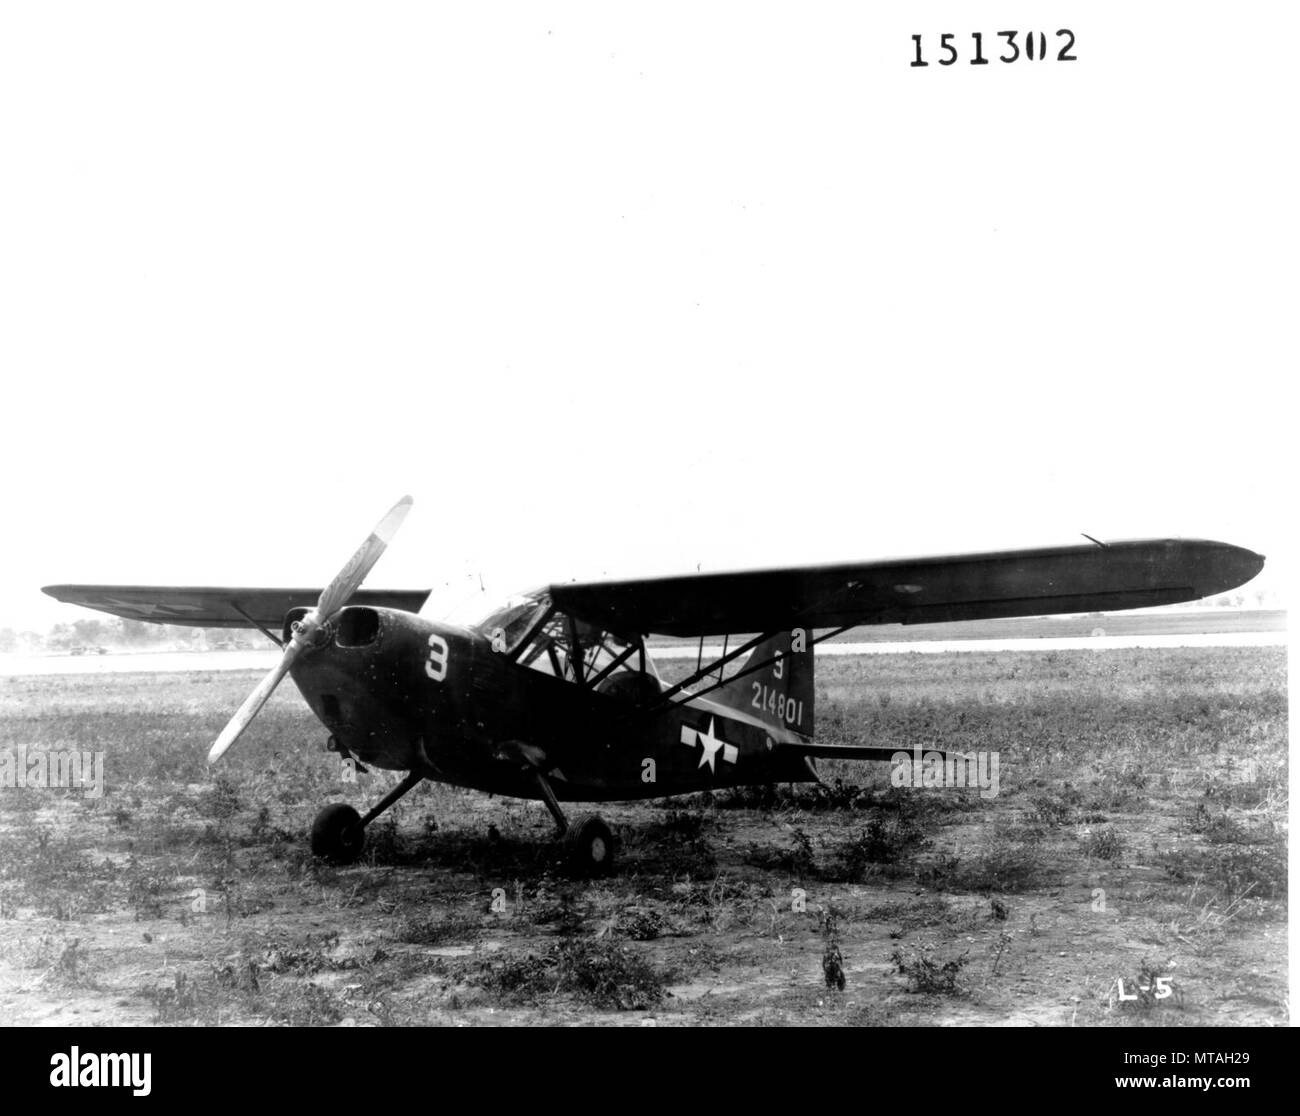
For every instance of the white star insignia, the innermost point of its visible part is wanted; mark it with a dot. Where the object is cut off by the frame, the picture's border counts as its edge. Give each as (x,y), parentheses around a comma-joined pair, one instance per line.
(710,744)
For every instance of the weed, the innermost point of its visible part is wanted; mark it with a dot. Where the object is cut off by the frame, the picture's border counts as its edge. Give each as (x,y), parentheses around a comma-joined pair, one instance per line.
(239,973)
(881,843)
(599,972)
(1235,871)
(684,825)
(1222,829)
(1258,785)
(641,924)
(436,931)
(834,795)
(674,847)
(832,957)
(1011,859)
(144,893)
(179,1003)
(926,974)
(220,801)
(1056,808)
(940,871)
(1000,947)
(798,860)
(1118,790)
(301,1004)
(1103,844)
(65,963)
(928,910)
(565,912)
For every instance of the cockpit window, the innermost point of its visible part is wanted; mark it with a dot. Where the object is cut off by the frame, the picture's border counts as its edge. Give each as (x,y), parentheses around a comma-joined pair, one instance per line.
(509,623)
(582,653)
(529,629)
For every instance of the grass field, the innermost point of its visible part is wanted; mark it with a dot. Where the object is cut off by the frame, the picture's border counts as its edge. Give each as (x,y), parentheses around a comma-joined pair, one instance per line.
(1138,836)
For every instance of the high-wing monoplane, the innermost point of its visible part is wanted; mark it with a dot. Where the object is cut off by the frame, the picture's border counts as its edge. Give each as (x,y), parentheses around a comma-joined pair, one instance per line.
(554,694)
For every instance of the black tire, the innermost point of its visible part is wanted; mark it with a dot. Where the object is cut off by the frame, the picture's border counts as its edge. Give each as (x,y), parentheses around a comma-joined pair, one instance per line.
(337,835)
(589,846)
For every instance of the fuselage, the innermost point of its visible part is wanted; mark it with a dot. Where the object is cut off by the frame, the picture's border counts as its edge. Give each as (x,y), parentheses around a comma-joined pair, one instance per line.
(406,693)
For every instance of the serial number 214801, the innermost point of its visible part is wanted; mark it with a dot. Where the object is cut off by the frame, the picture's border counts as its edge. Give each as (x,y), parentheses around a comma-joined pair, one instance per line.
(789,711)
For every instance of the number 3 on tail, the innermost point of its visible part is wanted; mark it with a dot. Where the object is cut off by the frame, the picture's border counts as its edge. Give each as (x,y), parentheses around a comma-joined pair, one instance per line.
(436,666)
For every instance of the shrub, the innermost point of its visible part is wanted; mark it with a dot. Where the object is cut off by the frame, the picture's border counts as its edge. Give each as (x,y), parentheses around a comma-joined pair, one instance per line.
(926,974)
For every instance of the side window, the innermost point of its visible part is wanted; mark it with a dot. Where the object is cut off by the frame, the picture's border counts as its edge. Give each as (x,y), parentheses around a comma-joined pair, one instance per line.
(548,650)
(580,653)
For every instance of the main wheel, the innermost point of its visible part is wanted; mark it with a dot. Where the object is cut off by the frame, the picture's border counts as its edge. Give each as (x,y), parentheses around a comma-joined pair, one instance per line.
(590,846)
(337,835)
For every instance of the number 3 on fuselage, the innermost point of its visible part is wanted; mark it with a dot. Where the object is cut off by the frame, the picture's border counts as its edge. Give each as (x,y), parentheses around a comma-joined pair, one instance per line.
(436,664)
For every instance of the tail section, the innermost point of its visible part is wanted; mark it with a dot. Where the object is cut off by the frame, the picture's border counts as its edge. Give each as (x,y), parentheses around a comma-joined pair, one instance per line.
(780,694)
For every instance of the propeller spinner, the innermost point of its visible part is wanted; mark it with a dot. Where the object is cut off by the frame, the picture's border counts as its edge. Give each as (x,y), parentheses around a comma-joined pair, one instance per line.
(333,597)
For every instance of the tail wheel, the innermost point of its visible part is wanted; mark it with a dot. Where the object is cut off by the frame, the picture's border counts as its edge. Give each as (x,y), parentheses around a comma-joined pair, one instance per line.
(590,846)
(337,834)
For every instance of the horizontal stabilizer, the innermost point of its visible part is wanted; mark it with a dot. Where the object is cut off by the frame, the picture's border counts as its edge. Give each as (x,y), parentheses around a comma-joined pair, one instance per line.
(841,751)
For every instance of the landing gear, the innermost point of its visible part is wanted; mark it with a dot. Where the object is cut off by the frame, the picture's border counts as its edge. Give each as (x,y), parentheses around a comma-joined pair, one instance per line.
(590,846)
(588,842)
(339,833)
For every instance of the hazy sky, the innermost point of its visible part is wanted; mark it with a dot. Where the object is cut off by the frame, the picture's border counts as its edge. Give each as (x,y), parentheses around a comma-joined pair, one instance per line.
(630,288)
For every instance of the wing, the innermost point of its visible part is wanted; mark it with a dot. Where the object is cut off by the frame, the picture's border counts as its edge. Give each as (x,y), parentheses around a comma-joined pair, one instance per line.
(216,607)
(1085,578)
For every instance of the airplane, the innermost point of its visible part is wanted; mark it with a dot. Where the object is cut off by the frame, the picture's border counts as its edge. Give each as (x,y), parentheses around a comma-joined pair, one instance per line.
(553,694)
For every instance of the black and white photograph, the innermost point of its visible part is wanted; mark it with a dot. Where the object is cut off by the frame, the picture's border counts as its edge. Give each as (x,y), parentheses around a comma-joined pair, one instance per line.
(680,515)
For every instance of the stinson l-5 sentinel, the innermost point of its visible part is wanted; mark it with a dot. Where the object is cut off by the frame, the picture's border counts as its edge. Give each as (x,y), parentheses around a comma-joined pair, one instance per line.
(553,695)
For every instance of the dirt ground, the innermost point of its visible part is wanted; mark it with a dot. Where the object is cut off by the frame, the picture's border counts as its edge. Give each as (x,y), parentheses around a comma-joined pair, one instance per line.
(1131,869)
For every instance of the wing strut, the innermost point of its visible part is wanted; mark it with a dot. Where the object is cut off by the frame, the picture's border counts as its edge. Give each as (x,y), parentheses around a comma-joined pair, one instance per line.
(690,680)
(618,662)
(278,642)
(718,664)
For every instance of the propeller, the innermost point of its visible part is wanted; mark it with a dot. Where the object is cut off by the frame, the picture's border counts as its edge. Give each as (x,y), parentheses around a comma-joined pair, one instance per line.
(306,631)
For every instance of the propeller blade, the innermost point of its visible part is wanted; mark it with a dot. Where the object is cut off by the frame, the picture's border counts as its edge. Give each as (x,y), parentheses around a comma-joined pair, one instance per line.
(253,703)
(333,597)
(336,594)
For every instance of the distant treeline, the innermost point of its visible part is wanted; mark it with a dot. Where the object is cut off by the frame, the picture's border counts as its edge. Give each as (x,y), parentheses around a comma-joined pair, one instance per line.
(93,636)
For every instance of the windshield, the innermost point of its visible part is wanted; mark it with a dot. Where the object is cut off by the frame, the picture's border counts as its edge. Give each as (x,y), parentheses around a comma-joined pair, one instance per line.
(508,623)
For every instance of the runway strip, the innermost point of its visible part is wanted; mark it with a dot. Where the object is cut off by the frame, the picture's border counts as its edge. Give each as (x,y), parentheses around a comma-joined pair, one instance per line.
(1046,643)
